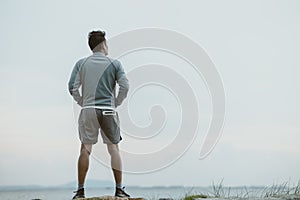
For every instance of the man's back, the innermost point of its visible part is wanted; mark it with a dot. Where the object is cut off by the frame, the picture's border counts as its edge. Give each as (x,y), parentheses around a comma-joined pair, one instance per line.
(98,75)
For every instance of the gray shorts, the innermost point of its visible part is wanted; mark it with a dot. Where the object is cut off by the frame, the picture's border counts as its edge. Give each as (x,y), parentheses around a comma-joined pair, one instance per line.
(92,119)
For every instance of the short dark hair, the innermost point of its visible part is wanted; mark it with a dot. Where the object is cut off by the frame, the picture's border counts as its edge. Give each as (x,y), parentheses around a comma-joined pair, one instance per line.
(95,38)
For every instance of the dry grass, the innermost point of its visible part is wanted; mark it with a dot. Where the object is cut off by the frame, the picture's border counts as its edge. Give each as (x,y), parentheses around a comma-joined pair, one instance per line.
(283,190)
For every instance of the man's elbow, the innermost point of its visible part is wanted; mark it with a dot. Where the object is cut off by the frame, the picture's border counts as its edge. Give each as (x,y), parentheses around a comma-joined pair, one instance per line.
(124,84)
(126,87)
(70,89)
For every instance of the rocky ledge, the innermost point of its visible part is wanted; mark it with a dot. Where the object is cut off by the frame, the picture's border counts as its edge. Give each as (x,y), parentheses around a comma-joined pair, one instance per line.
(110,198)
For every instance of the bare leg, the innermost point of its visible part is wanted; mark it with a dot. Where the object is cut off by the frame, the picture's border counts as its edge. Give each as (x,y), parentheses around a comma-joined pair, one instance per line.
(116,162)
(83,162)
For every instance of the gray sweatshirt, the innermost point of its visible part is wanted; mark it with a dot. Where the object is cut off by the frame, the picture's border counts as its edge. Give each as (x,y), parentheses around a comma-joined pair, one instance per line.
(97,75)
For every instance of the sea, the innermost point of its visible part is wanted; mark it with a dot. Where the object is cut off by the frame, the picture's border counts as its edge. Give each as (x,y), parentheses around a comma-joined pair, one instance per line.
(150,193)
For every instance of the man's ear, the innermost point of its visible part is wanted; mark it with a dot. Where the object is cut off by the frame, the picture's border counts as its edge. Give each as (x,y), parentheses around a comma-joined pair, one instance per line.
(104,43)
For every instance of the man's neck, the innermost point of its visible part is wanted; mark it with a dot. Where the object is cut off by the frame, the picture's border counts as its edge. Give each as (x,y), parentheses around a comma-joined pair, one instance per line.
(99,51)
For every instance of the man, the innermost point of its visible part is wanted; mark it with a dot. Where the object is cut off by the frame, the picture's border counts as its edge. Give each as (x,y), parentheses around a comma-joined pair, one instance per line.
(97,76)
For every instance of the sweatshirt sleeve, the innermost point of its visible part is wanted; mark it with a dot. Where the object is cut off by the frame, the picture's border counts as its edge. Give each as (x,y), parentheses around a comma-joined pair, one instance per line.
(122,82)
(75,83)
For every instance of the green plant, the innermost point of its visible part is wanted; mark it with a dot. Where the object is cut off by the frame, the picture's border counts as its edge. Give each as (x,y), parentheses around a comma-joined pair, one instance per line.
(191,197)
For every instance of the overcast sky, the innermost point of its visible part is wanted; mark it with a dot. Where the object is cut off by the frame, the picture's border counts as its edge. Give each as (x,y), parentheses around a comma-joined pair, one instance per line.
(255,46)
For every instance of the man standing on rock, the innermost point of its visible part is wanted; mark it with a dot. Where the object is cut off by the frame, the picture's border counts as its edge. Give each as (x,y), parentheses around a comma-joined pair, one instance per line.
(97,76)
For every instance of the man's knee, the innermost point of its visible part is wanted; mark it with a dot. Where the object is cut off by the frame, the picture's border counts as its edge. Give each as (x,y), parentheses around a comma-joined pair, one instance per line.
(112,148)
(86,149)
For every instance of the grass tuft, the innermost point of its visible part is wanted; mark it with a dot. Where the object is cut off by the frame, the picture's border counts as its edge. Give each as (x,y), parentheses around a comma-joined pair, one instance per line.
(283,189)
(197,196)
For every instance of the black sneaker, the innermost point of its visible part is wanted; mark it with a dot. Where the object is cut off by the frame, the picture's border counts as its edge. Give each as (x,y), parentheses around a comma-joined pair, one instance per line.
(121,193)
(79,194)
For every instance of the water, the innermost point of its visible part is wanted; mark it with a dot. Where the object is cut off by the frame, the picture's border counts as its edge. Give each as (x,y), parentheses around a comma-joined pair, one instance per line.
(151,193)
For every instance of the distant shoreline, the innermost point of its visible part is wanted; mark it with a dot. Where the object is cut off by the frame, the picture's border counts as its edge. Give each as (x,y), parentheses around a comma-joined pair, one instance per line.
(62,187)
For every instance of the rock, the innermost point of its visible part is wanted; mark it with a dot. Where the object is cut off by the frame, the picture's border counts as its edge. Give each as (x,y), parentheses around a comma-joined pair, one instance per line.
(110,198)
(165,199)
